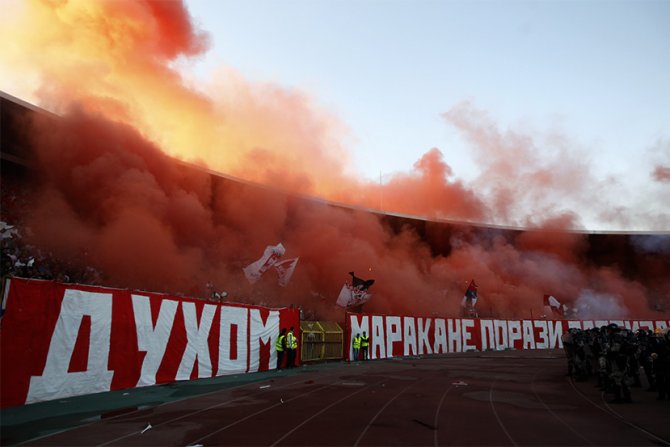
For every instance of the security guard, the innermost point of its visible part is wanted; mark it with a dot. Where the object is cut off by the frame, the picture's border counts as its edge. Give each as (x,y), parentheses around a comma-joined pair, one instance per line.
(280,346)
(365,342)
(356,346)
(292,347)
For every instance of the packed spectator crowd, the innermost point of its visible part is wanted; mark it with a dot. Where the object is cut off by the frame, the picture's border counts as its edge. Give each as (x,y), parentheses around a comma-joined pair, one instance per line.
(614,357)
(20,258)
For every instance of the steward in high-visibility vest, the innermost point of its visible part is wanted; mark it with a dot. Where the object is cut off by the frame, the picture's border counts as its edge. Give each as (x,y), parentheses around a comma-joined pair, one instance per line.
(291,346)
(365,342)
(279,346)
(356,346)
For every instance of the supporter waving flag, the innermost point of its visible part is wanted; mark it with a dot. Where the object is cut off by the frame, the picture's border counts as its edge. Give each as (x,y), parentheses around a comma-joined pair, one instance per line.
(470,296)
(354,293)
(285,270)
(271,255)
(554,304)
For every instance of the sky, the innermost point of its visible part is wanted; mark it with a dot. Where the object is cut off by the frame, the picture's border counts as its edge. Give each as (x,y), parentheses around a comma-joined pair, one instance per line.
(596,71)
(499,112)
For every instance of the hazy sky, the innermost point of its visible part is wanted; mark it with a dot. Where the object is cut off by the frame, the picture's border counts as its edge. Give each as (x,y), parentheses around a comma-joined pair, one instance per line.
(595,72)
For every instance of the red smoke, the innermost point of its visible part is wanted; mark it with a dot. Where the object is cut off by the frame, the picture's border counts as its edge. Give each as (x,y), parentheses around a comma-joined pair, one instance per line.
(661,174)
(113,200)
(427,191)
(110,196)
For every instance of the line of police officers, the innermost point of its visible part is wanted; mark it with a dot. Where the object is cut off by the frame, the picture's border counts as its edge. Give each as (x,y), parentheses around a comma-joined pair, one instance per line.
(614,356)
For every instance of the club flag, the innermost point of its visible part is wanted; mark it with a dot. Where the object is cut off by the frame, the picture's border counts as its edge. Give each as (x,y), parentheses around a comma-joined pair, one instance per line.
(470,296)
(351,296)
(554,304)
(364,284)
(271,255)
(356,293)
(285,270)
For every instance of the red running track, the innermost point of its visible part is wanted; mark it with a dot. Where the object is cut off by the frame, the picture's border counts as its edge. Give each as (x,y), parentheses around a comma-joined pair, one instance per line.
(496,399)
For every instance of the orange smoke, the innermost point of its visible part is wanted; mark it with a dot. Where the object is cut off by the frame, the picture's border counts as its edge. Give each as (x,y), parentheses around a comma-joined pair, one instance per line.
(118,58)
(111,198)
(128,61)
(661,174)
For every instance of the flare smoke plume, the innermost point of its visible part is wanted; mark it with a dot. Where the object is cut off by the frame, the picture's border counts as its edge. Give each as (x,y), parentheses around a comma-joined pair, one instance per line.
(109,191)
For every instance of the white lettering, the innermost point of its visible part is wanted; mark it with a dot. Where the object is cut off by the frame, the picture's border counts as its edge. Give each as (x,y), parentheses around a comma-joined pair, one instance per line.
(601,323)
(587,324)
(424,342)
(500,327)
(488,337)
(544,342)
(393,334)
(574,324)
(440,345)
(152,339)
(528,335)
(513,332)
(377,338)
(196,341)
(555,333)
(647,325)
(263,333)
(237,318)
(454,335)
(409,345)
(466,325)
(55,381)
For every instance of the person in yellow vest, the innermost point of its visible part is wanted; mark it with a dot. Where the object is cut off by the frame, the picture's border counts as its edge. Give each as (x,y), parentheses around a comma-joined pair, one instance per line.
(365,342)
(356,346)
(291,348)
(280,346)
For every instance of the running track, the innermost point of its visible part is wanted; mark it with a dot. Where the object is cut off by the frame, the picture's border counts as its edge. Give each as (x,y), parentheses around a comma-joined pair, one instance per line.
(517,398)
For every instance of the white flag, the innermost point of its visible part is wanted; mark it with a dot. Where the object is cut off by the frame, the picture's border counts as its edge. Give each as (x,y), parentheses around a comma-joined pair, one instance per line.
(6,230)
(554,304)
(271,255)
(351,296)
(285,270)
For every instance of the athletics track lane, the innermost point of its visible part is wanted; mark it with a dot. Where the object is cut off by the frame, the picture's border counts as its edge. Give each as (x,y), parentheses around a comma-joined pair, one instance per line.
(497,398)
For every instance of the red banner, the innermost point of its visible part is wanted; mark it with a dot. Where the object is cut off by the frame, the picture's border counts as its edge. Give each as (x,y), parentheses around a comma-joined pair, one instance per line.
(395,336)
(61,340)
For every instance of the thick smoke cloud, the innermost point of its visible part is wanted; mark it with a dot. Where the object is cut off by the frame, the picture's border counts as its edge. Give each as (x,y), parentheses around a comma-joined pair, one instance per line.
(110,196)
(129,61)
(111,199)
(593,305)
(662,173)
